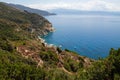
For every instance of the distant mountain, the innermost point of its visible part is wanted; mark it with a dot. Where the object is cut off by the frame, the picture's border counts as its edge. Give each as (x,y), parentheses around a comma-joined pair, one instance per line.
(37,11)
(81,12)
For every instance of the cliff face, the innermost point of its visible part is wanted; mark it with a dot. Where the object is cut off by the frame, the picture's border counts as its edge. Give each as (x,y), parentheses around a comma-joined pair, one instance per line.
(39,25)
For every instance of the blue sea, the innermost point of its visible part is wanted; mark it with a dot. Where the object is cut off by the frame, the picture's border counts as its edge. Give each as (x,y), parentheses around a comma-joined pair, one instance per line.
(88,35)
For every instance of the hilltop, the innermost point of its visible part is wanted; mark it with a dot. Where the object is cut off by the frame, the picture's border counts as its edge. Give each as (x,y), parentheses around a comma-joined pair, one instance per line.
(24,56)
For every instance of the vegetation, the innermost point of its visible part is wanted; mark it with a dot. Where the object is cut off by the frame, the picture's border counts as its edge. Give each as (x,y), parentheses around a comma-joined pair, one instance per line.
(23,56)
(104,69)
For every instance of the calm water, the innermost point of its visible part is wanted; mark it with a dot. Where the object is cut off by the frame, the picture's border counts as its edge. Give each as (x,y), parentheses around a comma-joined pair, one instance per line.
(90,36)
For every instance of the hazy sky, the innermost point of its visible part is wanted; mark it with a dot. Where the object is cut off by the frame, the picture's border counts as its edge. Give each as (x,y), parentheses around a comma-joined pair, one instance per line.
(99,5)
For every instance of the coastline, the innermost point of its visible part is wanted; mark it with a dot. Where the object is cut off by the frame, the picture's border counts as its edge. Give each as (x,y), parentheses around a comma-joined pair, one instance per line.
(45,44)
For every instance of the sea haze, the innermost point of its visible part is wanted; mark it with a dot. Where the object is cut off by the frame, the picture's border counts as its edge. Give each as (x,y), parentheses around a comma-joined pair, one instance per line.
(91,36)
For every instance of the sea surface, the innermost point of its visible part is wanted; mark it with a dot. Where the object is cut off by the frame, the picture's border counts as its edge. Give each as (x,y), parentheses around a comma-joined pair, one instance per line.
(88,35)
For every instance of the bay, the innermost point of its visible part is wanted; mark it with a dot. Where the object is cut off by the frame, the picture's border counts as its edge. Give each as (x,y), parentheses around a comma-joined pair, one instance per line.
(88,35)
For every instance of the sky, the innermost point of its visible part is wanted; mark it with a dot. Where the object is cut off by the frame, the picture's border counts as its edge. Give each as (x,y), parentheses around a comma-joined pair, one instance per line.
(90,5)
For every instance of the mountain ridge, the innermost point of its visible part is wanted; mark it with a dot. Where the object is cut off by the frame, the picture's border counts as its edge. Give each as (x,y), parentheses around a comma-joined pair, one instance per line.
(31,10)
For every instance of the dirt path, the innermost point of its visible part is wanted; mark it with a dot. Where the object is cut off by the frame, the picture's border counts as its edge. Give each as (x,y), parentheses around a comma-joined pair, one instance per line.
(67,71)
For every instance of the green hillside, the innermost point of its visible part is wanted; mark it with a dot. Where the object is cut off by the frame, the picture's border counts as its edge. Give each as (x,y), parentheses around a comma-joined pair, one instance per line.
(24,57)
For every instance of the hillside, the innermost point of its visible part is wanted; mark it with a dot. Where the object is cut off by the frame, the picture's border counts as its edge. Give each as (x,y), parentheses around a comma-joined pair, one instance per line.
(23,56)
(37,11)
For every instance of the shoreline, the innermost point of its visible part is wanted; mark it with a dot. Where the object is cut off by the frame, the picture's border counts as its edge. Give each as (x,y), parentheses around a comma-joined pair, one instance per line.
(46,44)
(52,46)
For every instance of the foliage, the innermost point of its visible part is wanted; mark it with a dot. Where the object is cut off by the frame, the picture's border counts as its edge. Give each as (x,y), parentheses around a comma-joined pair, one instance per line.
(105,69)
(50,58)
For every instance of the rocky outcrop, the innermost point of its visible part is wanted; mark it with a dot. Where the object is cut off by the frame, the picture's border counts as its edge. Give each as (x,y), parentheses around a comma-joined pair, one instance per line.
(45,30)
(40,26)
